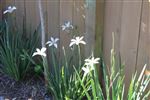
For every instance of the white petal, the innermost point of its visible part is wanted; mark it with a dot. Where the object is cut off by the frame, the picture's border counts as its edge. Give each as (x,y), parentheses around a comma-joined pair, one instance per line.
(14,8)
(87,60)
(96,62)
(6,11)
(43,54)
(81,37)
(84,69)
(77,38)
(63,27)
(38,50)
(67,24)
(73,40)
(56,39)
(48,42)
(52,39)
(77,42)
(82,42)
(43,49)
(55,45)
(35,53)
(97,59)
(72,43)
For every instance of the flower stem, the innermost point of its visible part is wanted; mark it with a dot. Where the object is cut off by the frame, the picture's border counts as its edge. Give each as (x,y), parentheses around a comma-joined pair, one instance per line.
(79,52)
(82,84)
(66,63)
(54,64)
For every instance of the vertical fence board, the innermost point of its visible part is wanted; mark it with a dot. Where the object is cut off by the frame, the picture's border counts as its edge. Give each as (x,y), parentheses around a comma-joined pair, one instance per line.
(90,26)
(19,15)
(129,35)
(99,29)
(142,56)
(66,8)
(79,15)
(112,23)
(53,18)
(148,37)
(31,9)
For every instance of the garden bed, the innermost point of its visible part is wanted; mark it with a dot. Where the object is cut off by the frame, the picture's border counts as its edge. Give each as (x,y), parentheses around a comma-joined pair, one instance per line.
(29,88)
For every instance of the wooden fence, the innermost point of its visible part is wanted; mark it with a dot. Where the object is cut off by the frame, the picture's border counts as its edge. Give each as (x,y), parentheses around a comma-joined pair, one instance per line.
(56,12)
(130,21)
(96,19)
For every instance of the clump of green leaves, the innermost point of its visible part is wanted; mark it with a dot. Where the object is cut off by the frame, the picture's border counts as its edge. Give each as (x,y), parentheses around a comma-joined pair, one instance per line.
(13,46)
(63,83)
(114,86)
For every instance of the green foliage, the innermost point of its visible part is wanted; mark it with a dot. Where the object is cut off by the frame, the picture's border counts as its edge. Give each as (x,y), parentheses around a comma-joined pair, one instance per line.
(64,83)
(114,88)
(138,85)
(13,45)
(38,69)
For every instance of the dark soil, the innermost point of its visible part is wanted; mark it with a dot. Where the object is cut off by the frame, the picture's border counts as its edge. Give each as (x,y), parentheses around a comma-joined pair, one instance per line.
(32,87)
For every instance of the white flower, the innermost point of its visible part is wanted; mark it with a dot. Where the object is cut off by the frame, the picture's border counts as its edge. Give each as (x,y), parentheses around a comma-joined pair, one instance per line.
(77,41)
(92,61)
(89,65)
(67,25)
(53,42)
(10,9)
(86,70)
(40,52)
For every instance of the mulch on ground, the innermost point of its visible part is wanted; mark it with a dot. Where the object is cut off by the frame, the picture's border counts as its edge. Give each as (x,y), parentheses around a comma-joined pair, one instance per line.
(32,87)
